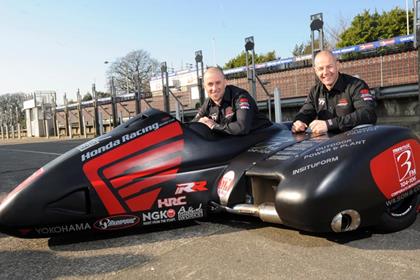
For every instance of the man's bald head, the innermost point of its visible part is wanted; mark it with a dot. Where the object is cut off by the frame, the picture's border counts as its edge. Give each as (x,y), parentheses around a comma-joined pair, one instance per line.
(215,83)
(326,68)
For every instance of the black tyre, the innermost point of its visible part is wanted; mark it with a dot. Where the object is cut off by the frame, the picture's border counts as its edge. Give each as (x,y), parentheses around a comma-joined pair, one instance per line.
(399,215)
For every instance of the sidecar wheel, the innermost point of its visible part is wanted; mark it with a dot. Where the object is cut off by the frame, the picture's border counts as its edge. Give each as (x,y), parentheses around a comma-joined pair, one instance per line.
(400,215)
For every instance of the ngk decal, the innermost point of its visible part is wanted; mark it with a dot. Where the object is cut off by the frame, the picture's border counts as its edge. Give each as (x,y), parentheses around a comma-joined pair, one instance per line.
(406,165)
(158,217)
(226,184)
(116,222)
(172,201)
(191,187)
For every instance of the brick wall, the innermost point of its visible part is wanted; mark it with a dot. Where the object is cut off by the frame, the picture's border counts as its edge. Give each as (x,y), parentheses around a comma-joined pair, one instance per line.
(382,71)
(389,70)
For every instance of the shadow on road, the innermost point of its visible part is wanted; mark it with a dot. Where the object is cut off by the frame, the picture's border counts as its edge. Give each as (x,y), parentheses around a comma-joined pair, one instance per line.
(30,264)
(408,239)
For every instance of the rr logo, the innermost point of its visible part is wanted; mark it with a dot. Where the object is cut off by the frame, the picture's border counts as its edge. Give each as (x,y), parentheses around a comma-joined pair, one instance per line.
(191,187)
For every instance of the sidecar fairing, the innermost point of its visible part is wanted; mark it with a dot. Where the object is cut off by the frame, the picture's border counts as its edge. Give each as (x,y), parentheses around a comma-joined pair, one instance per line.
(154,170)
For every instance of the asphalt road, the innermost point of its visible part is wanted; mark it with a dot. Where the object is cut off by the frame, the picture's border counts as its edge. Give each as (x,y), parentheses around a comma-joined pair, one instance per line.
(219,248)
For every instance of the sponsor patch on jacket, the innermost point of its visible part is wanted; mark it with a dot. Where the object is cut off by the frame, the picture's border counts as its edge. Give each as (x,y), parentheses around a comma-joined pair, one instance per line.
(321,101)
(244,103)
(365,94)
(228,112)
(342,102)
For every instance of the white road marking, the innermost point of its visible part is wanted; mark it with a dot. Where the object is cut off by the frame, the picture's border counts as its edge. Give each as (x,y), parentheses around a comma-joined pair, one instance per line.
(29,151)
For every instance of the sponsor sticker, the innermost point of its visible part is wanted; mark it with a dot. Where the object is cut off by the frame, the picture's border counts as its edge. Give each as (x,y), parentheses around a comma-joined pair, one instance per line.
(226,184)
(343,102)
(395,169)
(406,165)
(315,165)
(228,112)
(114,143)
(214,116)
(172,201)
(199,186)
(116,222)
(244,103)
(158,217)
(190,213)
(63,229)
(365,94)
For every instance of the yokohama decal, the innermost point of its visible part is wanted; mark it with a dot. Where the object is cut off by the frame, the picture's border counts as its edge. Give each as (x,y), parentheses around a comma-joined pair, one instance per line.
(126,178)
(396,170)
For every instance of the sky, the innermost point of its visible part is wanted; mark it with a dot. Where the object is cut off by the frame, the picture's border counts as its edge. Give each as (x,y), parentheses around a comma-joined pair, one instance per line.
(61,45)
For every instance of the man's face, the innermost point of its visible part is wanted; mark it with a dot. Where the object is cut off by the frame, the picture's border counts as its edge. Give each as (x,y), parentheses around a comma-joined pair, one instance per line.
(214,84)
(326,69)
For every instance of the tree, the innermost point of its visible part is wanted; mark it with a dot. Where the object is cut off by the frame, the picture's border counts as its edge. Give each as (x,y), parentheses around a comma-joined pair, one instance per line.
(11,106)
(132,72)
(87,97)
(240,59)
(101,94)
(367,27)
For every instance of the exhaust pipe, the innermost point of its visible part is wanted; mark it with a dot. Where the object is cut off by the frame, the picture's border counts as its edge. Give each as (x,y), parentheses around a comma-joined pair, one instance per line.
(346,220)
(265,211)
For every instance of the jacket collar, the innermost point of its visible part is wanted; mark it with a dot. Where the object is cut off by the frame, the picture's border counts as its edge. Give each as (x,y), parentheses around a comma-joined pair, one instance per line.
(227,97)
(338,86)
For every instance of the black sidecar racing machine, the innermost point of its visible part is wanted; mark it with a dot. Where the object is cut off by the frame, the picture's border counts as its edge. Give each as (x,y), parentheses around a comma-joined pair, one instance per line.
(154,169)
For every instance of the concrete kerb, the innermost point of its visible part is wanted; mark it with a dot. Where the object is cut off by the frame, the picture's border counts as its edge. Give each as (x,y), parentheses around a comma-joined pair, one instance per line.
(25,140)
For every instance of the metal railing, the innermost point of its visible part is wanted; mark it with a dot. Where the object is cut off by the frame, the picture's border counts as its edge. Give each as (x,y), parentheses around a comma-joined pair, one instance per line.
(269,96)
(179,109)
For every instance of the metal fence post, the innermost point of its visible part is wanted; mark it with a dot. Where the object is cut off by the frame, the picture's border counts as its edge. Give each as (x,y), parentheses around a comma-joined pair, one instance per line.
(47,129)
(177,112)
(277,105)
(70,131)
(100,123)
(84,126)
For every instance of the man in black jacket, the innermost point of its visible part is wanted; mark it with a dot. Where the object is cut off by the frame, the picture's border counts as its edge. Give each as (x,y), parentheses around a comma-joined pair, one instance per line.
(338,102)
(228,109)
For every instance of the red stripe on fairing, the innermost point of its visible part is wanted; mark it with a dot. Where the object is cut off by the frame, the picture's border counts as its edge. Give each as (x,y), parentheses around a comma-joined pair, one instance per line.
(27,182)
(91,168)
(121,181)
(384,169)
(144,158)
(143,202)
(151,181)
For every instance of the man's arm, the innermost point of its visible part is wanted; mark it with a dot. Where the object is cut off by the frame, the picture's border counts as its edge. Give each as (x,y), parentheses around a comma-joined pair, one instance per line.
(202,112)
(244,106)
(364,104)
(307,113)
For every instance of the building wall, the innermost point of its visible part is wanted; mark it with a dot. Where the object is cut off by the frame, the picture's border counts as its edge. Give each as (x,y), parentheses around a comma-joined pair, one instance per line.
(382,71)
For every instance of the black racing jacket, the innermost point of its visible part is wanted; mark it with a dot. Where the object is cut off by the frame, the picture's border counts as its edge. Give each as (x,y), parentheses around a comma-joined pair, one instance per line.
(237,114)
(348,104)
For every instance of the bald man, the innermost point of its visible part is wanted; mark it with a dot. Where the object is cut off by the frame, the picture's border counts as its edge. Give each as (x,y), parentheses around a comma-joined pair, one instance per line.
(229,109)
(338,102)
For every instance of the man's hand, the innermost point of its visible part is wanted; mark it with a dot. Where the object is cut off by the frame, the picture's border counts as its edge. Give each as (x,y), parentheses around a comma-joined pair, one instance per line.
(318,126)
(207,121)
(299,126)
